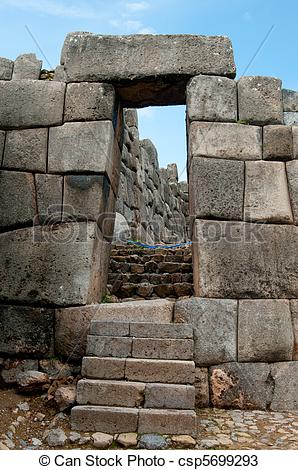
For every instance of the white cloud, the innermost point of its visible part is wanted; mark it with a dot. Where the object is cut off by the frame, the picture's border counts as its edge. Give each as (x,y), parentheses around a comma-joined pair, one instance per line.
(53,8)
(137,6)
(146,31)
(147,113)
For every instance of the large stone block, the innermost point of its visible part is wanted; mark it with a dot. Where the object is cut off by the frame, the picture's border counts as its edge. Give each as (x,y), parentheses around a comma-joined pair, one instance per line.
(295,140)
(148,69)
(89,102)
(292,174)
(49,198)
(216,188)
(104,419)
(163,371)
(26,330)
(290,100)
(17,198)
(244,386)
(294,311)
(167,422)
(277,143)
(162,348)
(241,260)
(52,265)
(260,100)
(225,140)
(109,346)
(211,99)
(215,328)
(265,332)
(155,311)
(103,367)
(201,387)
(285,377)
(167,330)
(6,68)
(170,396)
(26,150)
(26,66)
(110,393)
(266,193)
(31,103)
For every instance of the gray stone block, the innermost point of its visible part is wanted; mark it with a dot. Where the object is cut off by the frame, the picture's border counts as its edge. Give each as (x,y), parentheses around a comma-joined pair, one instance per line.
(104,419)
(295,140)
(109,346)
(265,332)
(292,175)
(89,102)
(115,328)
(225,140)
(151,330)
(291,119)
(162,348)
(285,396)
(266,193)
(110,393)
(290,100)
(31,103)
(163,371)
(277,143)
(2,141)
(103,367)
(26,66)
(294,311)
(179,397)
(216,188)
(229,260)
(260,100)
(131,118)
(17,198)
(243,386)
(167,422)
(151,69)
(6,68)
(26,330)
(211,99)
(155,311)
(26,150)
(201,387)
(215,328)
(52,265)
(49,198)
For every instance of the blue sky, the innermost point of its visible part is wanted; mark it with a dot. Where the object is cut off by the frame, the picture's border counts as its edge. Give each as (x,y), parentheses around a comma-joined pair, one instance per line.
(246,22)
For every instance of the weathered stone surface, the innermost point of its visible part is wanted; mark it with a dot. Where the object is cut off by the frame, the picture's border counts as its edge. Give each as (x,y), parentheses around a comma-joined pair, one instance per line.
(2,140)
(17,198)
(155,311)
(163,371)
(295,140)
(153,442)
(102,440)
(292,174)
(243,386)
(65,396)
(285,396)
(225,140)
(167,422)
(277,143)
(110,393)
(183,441)
(162,348)
(239,260)
(109,346)
(201,387)
(26,66)
(26,149)
(179,397)
(105,419)
(89,102)
(32,381)
(266,193)
(131,117)
(49,198)
(291,119)
(56,368)
(26,330)
(56,438)
(109,328)
(6,68)
(265,332)
(294,311)
(216,188)
(37,266)
(290,100)
(31,103)
(12,368)
(151,330)
(215,328)
(260,100)
(103,368)
(128,439)
(148,69)
(211,99)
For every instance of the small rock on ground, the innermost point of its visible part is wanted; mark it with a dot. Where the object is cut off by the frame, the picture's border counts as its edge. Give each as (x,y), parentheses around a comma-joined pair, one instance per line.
(74,437)
(23,406)
(56,438)
(183,441)
(129,439)
(102,440)
(153,442)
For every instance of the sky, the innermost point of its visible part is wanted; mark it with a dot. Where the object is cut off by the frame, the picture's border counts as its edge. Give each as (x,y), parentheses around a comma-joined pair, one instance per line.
(263,33)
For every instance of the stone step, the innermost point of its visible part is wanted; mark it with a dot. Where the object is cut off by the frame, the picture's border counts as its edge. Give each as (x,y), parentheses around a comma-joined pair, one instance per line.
(167,422)
(142,330)
(135,394)
(152,278)
(139,370)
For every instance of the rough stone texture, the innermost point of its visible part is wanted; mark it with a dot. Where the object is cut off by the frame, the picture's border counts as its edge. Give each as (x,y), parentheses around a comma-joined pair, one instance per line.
(243,386)
(225,140)
(17,198)
(150,330)
(110,393)
(26,66)
(2,140)
(6,68)
(215,328)
(292,177)
(63,274)
(156,348)
(211,99)
(146,370)
(221,186)
(265,332)
(32,381)
(12,369)
(102,440)
(56,438)
(285,396)
(109,346)
(201,387)
(89,102)
(239,260)
(290,100)
(103,368)
(179,397)
(26,330)
(183,441)
(149,69)
(65,397)
(31,103)
(295,140)
(128,439)
(167,422)
(294,310)
(104,419)
(26,150)
(49,198)
(260,100)
(277,143)
(109,328)
(155,311)
(291,119)
(153,442)
(131,117)
(266,193)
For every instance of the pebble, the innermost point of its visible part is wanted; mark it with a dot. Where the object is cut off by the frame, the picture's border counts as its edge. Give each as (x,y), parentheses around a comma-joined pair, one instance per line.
(36,442)
(128,440)
(183,441)
(23,406)
(21,419)
(56,438)
(102,440)
(74,437)
(153,442)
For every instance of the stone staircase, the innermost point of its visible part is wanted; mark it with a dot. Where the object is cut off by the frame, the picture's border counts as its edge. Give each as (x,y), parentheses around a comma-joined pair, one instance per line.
(138,373)
(138,273)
